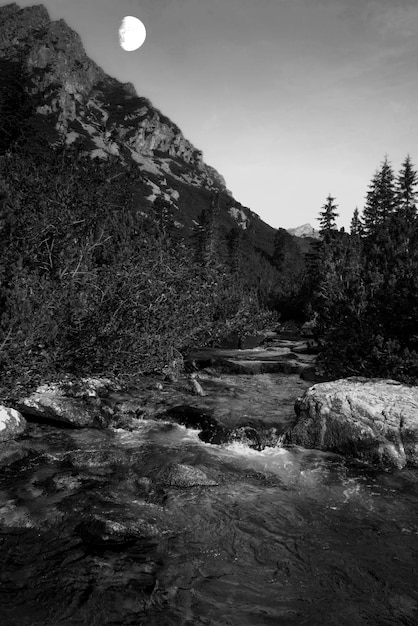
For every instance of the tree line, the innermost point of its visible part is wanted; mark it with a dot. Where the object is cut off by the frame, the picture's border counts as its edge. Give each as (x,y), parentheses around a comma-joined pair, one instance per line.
(365,295)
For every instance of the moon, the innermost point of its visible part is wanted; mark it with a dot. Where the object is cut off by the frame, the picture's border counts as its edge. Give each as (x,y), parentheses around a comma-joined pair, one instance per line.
(132,33)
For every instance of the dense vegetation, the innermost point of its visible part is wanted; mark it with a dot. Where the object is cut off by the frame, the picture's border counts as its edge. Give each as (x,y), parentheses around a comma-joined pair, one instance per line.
(366,294)
(91,284)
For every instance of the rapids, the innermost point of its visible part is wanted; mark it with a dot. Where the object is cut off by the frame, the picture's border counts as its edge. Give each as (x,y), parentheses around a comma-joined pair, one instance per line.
(95,532)
(285,537)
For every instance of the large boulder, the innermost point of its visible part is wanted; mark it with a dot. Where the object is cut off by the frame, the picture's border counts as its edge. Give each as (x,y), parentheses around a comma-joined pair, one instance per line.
(76,405)
(372,420)
(12,423)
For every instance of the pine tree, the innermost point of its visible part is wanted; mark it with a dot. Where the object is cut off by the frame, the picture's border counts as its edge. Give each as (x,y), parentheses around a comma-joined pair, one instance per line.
(328,215)
(380,198)
(406,193)
(356,226)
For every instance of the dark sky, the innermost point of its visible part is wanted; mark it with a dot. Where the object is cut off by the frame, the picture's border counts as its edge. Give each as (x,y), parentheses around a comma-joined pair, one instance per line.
(288,99)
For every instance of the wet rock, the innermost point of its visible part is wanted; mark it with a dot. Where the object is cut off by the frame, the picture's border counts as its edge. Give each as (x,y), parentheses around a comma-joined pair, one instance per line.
(127,412)
(372,420)
(66,482)
(100,531)
(92,459)
(50,405)
(246,435)
(11,452)
(14,516)
(12,423)
(217,435)
(189,416)
(142,486)
(183,476)
(272,437)
(195,386)
(212,431)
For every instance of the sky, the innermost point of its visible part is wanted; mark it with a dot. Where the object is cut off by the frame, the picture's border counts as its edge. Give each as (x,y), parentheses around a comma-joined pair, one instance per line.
(290,100)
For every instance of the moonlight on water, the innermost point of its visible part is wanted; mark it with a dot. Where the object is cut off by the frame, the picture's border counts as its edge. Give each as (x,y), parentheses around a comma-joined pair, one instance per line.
(132,33)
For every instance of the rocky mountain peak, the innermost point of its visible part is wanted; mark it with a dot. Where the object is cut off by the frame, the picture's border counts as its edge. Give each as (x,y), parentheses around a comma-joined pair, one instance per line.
(51,91)
(306,230)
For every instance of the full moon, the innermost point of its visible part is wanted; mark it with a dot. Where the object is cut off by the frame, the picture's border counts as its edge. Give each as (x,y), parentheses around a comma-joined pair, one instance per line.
(132,33)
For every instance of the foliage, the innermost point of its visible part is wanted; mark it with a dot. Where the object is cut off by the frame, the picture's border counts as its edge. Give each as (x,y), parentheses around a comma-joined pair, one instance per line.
(290,290)
(89,284)
(366,296)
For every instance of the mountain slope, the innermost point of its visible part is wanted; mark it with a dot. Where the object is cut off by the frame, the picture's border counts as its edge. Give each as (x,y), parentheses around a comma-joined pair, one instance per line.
(52,92)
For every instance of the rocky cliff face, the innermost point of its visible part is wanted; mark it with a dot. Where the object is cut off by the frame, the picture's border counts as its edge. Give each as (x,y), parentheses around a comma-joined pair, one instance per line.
(80,100)
(51,87)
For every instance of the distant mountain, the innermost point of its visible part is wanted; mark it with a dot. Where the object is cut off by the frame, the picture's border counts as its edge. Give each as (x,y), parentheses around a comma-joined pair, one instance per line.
(52,92)
(306,230)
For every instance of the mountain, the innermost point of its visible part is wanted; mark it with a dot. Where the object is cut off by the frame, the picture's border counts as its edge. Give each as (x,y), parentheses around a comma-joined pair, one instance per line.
(52,92)
(306,230)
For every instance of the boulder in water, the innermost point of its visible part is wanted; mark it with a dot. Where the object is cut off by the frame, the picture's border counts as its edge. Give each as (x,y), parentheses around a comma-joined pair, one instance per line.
(247,435)
(100,531)
(12,423)
(373,420)
(178,475)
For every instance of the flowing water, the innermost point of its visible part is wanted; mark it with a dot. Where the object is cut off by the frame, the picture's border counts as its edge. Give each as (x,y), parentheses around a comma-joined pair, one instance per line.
(284,537)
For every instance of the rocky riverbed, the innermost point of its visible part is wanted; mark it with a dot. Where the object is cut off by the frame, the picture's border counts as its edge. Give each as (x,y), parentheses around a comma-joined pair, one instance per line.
(172,504)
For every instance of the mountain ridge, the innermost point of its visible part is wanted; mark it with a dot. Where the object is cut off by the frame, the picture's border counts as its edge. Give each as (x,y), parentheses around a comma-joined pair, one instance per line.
(304,231)
(72,100)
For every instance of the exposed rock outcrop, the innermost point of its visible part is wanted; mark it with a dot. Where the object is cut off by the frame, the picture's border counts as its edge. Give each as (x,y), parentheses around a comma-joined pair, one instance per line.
(372,420)
(74,405)
(12,423)
(77,98)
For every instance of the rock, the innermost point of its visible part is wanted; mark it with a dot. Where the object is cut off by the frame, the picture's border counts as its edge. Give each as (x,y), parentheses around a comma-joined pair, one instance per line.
(83,387)
(48,403)
(11,452)
(212,431)
(93,459)
(195,386)
(308,328)
(15,516)
(183,476)
(247,435)
(12,423)
(99,531)
(189,416)
(372,420)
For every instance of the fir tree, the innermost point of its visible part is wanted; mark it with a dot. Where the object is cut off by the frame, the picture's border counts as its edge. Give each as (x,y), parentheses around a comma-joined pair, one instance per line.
(356,226)
(406,190)
(328,215)
(380,198)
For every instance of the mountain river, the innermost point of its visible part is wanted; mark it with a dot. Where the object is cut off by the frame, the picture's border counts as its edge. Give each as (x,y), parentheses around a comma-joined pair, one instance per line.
(274,537)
